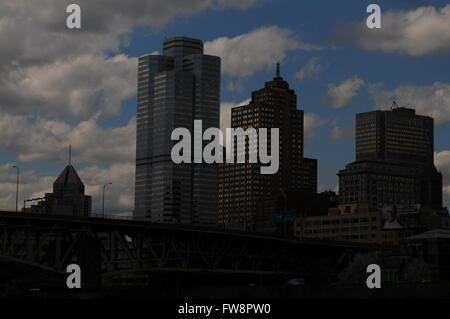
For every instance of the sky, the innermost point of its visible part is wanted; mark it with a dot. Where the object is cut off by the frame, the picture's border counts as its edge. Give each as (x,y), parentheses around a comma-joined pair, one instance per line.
(61,86)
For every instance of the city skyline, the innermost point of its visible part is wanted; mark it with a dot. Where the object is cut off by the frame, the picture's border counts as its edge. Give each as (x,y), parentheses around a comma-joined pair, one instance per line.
(325,76)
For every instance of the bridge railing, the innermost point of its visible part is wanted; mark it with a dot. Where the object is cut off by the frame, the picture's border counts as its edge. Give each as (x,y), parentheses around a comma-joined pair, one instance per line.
(121,217)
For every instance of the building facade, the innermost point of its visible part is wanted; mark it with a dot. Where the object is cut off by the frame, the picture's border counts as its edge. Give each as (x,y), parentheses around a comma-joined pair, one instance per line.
(353,223)
(398,135)
(247,198)
(394,162)
(68,197)
(174,89)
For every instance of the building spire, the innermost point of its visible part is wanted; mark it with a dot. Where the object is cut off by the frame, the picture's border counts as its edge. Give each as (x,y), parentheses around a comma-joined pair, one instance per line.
(70,154)
(277,75)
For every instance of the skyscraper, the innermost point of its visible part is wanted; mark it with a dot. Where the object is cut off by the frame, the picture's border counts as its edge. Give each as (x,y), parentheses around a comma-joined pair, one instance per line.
(398,135)
(174,89)
(248,199)
(68,197)
(394,162)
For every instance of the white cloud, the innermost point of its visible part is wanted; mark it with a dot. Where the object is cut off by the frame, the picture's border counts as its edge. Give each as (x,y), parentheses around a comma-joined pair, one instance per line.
(432,100)
(73,88)
(340,95)
(341,132)
(311,123)
(47,140)
(310,70)
(66,73)
(119,196)
(419,32)
(260,49)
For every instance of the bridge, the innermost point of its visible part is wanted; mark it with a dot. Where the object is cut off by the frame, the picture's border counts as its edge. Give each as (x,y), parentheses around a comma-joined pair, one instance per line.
(123,250)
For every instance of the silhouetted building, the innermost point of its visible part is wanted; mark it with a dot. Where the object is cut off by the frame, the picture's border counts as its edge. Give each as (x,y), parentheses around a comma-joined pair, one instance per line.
(248,199)
(394,162)
(397,135)
(68,197)
(347,223)
(174,89)
(357,223)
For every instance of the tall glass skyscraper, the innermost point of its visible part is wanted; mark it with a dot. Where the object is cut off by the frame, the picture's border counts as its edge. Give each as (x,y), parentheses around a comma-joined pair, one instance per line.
(174,89)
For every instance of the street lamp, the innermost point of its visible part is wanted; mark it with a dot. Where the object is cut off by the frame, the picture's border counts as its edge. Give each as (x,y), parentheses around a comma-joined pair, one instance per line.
(103,200)
(17,187)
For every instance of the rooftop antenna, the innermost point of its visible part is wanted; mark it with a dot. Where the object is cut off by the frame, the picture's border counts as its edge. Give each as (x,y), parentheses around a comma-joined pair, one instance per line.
(394,105)
(70,154)
(278,70)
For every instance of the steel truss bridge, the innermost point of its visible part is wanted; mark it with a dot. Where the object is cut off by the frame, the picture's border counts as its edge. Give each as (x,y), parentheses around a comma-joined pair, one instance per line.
(129,251)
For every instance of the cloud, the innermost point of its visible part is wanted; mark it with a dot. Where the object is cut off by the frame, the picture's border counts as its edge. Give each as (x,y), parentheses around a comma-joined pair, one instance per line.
(72,74)
(311,123)
(340,95)
(260,49)
(432,100)
(312,69)
(419,32)
(119,196)
(235,85)
(71,89)
(46,140)
(105,24)
(341,132)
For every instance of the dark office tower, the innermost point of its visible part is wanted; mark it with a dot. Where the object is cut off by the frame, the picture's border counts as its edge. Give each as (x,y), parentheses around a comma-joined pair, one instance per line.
(248,199)
(398,135)
(394,162)
(174,89)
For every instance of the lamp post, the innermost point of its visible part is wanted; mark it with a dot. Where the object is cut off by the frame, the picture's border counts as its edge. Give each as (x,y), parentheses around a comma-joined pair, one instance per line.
(103,199)
(17,187)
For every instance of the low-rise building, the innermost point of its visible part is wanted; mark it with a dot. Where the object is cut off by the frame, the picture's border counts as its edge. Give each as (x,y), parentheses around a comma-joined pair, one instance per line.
(357,223)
